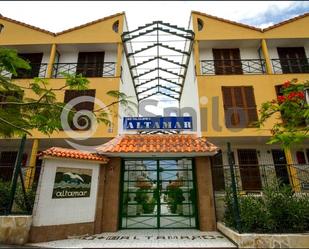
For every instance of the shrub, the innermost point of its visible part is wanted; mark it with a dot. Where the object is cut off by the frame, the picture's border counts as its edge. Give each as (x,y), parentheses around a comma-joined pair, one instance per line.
(277,210)
(5,188)
(4,196)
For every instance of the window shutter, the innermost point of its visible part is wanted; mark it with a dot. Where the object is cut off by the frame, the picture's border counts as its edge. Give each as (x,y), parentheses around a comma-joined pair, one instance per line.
(239,98)
(250,105)
(227,61)
(229,107)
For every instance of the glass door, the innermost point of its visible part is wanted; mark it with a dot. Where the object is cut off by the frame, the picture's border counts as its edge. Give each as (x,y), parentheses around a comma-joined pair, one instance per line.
(158,194)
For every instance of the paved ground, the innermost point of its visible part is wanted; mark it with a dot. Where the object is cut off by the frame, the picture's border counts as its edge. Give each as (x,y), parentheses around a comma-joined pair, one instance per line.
(151,238)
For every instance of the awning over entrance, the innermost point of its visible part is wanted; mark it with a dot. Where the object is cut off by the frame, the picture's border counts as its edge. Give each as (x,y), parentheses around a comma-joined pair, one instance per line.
(159,143)
(74,154)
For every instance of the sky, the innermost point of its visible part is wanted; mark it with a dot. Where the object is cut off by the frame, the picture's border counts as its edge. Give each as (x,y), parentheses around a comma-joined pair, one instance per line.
(68,14)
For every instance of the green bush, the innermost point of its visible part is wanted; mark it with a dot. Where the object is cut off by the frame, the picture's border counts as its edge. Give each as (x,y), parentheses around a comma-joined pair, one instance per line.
(19,200)
(4,195)
(277,210)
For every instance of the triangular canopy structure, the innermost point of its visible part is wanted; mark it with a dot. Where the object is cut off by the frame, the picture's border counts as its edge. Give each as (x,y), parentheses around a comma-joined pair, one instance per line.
(158,54)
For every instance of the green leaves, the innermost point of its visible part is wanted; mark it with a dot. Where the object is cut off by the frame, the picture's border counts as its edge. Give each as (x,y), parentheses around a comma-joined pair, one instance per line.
(291,107)
(10,62)
(76,82)
(35,105)
(277,210)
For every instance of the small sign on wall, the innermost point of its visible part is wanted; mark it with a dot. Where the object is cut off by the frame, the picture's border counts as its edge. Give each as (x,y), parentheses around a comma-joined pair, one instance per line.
(72,183)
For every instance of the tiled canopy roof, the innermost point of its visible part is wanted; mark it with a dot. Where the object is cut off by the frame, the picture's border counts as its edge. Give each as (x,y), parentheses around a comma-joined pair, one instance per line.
(175,143)
(76,154)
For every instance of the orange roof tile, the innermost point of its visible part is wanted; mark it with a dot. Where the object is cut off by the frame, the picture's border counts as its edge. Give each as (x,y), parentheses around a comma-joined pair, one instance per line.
(76,154)
(142,143)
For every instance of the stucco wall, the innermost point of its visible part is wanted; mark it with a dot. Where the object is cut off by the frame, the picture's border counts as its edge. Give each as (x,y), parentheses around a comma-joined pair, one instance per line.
(48,211)
(189,102)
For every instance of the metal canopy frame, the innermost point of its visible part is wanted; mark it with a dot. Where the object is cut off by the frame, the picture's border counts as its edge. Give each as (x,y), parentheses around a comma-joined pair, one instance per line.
(158,54)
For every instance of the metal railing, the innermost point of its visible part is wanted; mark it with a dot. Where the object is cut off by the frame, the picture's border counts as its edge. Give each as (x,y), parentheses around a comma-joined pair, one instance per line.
(37,70)
(253,178)
(283,66)
(223,67)
(106,69)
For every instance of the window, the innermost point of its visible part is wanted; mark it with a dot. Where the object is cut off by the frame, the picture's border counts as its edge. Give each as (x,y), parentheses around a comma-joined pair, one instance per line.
(90,64)
(239,106)
(249,169)
(85,105)
(35,60)
(116,26)
(293,60)
(227,61)
(280,166)
(200,24)
(300,156)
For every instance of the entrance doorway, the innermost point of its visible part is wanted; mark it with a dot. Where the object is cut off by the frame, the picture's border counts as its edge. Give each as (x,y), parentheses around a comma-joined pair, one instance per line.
(158,194)
(280,166)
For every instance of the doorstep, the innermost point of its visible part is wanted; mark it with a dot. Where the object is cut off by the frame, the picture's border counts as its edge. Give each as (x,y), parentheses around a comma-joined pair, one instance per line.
(146,238)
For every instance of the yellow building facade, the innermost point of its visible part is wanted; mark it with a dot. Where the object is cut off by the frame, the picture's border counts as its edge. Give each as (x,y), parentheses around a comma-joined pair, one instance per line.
(231,58)
(79,49)
(226,56)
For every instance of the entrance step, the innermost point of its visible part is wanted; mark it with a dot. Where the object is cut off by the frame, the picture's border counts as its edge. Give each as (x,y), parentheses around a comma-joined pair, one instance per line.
(146,238)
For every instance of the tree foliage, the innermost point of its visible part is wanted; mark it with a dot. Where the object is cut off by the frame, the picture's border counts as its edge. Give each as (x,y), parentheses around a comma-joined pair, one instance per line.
(291,112)
(34,105)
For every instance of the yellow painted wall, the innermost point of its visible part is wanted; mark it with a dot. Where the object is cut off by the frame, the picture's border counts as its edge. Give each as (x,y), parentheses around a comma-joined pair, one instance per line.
(217,30)
(102,85)
(264,90)
(296,29)
(14,34)
(100,32)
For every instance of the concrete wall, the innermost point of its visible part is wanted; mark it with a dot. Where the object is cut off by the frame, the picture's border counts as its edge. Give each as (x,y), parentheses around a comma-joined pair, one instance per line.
(58,218)
(189,102)
(14,229)
(48,211)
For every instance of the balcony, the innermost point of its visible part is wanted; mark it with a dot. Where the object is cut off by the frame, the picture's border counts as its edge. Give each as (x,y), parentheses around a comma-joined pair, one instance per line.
(286,66)
(106,69)
(37,70)
(233,67)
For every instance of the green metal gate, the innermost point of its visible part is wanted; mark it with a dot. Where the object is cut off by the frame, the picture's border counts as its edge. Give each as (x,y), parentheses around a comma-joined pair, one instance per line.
(158,194)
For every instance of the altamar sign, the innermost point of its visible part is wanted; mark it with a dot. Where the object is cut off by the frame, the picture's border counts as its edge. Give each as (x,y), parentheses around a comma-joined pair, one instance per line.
(157,123)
